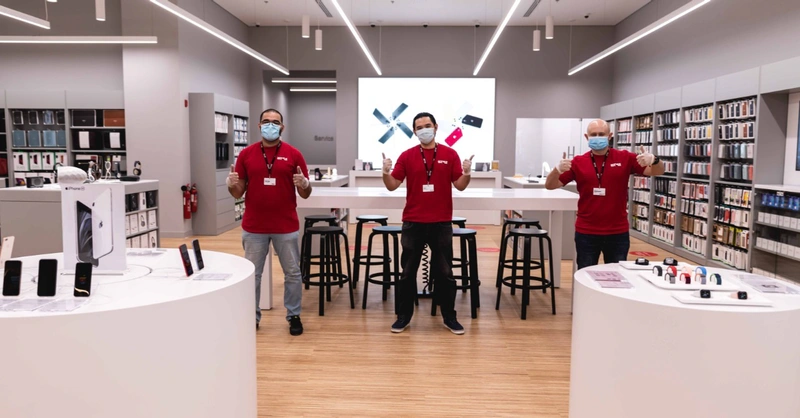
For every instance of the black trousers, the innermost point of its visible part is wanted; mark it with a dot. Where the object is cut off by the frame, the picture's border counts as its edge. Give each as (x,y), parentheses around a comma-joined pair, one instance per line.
(588,248)
(439,237)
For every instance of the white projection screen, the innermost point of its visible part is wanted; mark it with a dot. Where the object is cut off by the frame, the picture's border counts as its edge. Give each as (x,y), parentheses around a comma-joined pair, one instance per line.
(463,108)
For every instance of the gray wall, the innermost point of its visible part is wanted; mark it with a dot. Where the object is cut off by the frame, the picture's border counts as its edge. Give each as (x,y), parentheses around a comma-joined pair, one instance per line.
(528,84)
(315,114)
(720,38)
(61,67)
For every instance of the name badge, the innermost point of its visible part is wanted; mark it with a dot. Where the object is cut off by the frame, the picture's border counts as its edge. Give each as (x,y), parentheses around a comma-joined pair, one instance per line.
(269,181)
(427,188)
(599,191)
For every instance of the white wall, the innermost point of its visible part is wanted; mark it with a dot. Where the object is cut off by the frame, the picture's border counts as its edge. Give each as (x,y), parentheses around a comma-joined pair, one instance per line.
(720,38)
(790,174)
(546,140)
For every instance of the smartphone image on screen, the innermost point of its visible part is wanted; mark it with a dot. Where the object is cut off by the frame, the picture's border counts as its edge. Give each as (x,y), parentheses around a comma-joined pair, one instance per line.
(83,280)
(7,250)
(102,232)
(187,263)
(48,271)
(12,277)
(84,250)
(197,254)
(472,121)
(454,137)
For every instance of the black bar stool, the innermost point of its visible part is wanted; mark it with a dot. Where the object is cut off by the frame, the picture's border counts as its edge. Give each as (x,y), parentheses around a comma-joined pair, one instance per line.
(509,223)
(460,221)
(458,261)
(362,260)
(330,262)
(388,277)
(527,265)
(469,269)
(310,221)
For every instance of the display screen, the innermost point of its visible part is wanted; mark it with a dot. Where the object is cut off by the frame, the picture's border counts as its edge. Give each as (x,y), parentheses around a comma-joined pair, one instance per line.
(48,270)
(83,280)
(11,277)
(187,263)
(463,108)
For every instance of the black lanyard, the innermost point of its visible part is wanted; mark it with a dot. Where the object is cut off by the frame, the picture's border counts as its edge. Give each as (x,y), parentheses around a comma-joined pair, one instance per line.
(270,164)
(603,170)
(429,171)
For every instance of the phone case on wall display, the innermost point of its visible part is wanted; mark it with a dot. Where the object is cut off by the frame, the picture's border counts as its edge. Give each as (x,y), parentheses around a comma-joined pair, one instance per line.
(83,118)
(114,140)
(21,161)
(48,117)
(34,138)
(16,117)
(48,161)
(18,139)
(49,139)
(114,118)
(33,117)
(35,160)
(61,139)
(60,120)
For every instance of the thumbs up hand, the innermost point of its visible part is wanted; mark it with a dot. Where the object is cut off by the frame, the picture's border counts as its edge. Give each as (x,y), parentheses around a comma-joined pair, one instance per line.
(564,165)
(300,180)
(387,164)
(466,166)
(645,159)
(233,178)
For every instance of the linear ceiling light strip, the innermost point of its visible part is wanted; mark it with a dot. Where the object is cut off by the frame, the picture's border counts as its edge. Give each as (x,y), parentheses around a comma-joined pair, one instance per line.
(23,17)
(496,35)
(357,35)
(202,24)
(78,40)
(304,80)
(309,90)
(660,23)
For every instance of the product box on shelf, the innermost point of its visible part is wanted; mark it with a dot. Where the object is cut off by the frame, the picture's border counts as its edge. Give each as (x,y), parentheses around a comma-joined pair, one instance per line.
(152,222)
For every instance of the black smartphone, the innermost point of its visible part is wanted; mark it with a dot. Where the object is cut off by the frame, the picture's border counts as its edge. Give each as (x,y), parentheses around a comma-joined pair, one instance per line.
(12,277)
(187,263)
(472,121)
(48,271)
(197,254)
(83,279)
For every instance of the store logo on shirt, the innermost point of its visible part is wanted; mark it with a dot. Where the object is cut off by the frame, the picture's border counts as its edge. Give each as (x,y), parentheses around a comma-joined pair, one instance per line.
(616,164)
(283,158)
(442,162)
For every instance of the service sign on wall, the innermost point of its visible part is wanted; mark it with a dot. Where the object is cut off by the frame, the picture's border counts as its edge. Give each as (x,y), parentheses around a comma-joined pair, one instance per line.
(93,225)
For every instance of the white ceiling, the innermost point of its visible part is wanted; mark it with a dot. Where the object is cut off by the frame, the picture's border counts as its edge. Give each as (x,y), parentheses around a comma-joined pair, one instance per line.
(433,12)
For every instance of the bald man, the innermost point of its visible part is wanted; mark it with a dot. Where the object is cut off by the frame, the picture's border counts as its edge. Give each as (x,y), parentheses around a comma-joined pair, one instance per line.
(602,176)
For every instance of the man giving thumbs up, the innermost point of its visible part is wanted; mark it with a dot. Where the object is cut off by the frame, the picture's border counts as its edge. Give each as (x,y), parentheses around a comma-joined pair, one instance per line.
(602,178)
(272,173)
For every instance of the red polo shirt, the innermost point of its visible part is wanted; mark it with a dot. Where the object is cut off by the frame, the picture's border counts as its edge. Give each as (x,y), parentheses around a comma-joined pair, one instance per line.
(428,207)
(603,215)
(270,209)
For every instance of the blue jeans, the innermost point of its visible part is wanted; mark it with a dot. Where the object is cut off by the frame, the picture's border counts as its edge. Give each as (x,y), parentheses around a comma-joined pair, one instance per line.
(588,248)
(256,249)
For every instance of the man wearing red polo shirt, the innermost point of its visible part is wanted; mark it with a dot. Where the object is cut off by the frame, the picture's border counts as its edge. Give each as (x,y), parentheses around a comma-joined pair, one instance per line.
(270,171)
(431,169)
(602,176)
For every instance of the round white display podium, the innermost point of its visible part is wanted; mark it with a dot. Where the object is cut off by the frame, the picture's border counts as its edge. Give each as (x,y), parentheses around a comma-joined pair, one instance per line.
(641,353)
(149,343)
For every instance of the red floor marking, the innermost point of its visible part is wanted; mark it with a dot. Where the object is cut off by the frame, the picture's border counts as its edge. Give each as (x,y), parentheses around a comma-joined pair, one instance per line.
(489,250)
(369,226)
(363,248)
(643,253)
(475,227)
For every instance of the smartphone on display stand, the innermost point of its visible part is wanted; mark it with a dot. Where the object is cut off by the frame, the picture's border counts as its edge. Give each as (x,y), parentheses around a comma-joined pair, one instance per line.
(7,250)
(197,254)
(187,263)
(12,277)
(85,249)
(83,280)
(46,282)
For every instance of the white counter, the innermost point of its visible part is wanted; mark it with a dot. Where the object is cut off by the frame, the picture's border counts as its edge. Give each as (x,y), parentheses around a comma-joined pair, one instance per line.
(480,180)
(149,343)
(333,181)
(641,353)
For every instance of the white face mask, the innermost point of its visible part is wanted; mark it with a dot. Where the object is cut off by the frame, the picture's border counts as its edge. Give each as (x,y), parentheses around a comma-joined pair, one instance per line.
(425,135)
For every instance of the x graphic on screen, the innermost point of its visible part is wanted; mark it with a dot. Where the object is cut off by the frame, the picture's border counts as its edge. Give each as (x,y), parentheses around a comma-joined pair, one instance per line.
(392,123)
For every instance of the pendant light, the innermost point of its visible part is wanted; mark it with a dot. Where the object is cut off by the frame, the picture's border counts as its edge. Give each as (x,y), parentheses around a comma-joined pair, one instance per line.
(306,26)
(537,40)
(318,39)
(100,10)
(548,29)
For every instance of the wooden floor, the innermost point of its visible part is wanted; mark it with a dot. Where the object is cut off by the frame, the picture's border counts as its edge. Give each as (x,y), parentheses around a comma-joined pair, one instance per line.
(348,363)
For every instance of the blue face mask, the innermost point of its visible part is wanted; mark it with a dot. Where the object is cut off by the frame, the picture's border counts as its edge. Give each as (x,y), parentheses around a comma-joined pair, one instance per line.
(598,143)
(270,132)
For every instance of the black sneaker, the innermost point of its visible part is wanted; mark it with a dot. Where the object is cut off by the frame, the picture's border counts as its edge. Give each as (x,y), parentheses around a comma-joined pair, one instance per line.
(453,325)
(401,324)
(256,326)
(295,326)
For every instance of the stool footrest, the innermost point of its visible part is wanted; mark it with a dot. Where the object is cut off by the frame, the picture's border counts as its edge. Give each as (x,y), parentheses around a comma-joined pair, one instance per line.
(509,281)
(373,278)
(342,279)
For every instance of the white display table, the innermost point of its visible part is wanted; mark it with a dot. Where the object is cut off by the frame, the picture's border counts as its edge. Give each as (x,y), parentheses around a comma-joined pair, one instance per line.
(151,343)
(641,353)
(480,180)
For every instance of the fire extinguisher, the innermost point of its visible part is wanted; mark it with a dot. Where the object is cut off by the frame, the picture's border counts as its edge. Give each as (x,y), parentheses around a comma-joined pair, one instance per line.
(187,205)
(193,192)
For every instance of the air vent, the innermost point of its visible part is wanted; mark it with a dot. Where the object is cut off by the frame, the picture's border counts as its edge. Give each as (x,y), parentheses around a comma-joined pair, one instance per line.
(328,13)
(527,14)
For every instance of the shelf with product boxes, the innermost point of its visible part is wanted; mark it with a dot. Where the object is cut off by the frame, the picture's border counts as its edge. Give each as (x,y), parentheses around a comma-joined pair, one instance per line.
(141,219)
(776,229)
(38,142)
(3,150)
(624,134)
(98,135)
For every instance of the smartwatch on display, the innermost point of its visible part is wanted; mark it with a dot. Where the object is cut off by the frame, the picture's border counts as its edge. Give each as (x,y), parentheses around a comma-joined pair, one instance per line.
(686,278)
(741,295)
(700,275)
(705,294)
(670,277)
(669,261)
(658,271)
(672,270)
(642,262)
(716,278)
